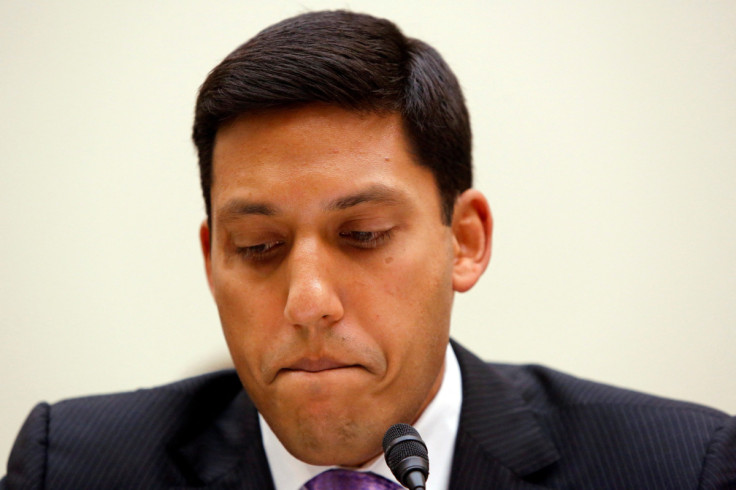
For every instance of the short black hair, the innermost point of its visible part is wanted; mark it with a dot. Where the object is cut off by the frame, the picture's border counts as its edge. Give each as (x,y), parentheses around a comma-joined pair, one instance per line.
(354,61)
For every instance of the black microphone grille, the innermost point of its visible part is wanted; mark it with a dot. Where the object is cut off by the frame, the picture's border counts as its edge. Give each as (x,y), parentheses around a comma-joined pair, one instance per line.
(400,442)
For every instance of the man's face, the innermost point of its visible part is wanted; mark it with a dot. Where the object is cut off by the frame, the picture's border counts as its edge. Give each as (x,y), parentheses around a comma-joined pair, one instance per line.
(332,273)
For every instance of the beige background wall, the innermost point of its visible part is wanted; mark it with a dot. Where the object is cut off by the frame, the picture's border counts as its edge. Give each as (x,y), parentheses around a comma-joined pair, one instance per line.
(605,138)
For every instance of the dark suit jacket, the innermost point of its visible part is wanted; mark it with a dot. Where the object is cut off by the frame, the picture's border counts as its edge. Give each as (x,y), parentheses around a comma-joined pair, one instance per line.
(520,428)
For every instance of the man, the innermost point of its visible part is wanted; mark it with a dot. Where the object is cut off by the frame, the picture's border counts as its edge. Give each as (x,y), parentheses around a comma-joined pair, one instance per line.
(335,165)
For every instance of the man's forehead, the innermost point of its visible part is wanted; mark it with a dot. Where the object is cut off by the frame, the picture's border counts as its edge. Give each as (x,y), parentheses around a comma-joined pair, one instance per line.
(327,157)
(296,133)
(282,119)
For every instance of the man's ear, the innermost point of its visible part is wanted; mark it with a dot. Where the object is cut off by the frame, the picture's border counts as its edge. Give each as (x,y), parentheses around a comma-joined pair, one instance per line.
(472,227)
(205,241)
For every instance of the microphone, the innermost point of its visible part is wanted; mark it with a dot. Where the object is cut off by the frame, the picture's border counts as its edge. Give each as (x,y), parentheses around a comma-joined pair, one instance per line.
(406,455)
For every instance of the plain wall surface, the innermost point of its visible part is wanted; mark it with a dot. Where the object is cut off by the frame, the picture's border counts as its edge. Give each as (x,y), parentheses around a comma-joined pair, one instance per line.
(605,140)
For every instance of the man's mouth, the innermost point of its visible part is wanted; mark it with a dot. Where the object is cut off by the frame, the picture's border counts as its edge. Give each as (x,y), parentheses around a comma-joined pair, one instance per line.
(317,365)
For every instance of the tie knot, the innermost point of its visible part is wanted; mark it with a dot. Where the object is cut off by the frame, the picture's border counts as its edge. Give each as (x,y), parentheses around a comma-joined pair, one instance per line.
(338,479)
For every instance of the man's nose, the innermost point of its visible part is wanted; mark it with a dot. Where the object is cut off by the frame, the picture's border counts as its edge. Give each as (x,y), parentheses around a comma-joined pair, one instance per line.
(313,300)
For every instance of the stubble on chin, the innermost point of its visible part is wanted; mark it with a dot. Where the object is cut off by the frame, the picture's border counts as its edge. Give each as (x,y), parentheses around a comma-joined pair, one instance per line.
(334,441)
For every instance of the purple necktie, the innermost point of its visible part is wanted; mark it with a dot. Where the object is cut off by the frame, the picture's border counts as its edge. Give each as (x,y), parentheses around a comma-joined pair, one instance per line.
(347,480)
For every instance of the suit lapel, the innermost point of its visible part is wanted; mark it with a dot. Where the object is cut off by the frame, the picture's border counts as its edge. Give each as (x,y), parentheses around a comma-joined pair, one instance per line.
(228,453)
(499,442)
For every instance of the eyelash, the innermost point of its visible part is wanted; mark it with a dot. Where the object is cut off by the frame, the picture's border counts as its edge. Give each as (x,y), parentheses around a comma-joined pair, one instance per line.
(359,239)
(260,252)
(366,239)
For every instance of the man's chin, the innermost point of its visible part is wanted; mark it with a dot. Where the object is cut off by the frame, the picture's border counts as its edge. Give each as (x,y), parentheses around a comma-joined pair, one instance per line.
(332,455)
(331,441)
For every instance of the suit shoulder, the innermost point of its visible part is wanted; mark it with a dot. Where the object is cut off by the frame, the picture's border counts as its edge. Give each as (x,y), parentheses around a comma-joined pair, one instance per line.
(140,418)
(602,436)
(659,441)
(544,388)
(218,385)
(114,437)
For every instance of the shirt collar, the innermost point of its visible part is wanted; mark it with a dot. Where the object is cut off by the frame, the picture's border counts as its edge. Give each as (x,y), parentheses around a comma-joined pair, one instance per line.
(437,425)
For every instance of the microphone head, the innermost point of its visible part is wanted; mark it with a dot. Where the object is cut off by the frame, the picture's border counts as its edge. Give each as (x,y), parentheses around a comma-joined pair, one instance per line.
(406,455)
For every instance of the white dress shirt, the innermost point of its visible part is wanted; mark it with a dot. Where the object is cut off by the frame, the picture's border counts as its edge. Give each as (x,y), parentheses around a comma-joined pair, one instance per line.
(437,425)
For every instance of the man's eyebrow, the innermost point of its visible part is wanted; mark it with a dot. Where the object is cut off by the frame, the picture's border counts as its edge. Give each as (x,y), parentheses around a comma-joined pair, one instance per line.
(241,207)
(377,193)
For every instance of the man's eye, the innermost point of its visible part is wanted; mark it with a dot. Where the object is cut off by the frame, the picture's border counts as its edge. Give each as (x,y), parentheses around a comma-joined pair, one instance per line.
(259,252)
(366,239)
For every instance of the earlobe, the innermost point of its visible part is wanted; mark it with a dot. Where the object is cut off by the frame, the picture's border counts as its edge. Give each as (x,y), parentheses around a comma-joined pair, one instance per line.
(205,241)
(472,228)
